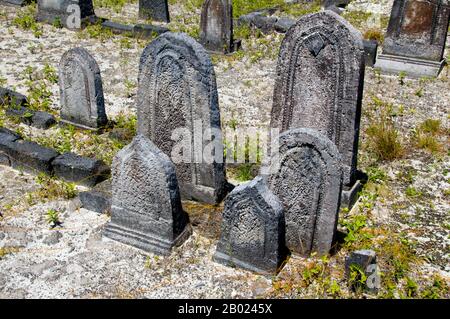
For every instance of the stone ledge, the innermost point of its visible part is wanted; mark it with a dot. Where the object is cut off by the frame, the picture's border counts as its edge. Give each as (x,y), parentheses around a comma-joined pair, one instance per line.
(38,119)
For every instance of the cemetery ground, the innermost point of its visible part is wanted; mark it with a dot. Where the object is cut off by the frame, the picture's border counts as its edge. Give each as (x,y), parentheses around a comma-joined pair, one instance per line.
(403,212)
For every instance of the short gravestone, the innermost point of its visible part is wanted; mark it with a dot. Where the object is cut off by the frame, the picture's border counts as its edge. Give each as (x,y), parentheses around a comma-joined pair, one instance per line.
(319,85)
(306,176)
(415,40)
(253,229)
(363,263)
(146,207)
(157,10)
(72,14)
(178,110)
(82,101)
(216,26)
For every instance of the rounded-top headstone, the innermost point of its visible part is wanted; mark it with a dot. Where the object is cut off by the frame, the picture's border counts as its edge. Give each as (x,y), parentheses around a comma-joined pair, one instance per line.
(319,83)
(81,90)
(306,175)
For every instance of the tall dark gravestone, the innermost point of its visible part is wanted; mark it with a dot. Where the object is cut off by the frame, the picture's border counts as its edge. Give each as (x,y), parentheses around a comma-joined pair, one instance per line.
(415,39)
(216,25)
(146,207)
(306,176)
(80,81)
(319,85)
(178,110)
(71,13)
(157,10)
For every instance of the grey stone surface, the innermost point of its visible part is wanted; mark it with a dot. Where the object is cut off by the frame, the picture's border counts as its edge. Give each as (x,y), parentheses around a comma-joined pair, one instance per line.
(118,28)
(319,83)
(146,207)
(362,259)
(253,229)
(370,49)
(283,24)
(177,89)
(81,170)
(52,10)
(6,137)
(148,30)
(97,199)
(336,6)
(11,98)
(350,194)
(307,178)
(30,156)
(415,39)
(82,101)
(216,25)
(18,3)
(418,29)
(52,238)
(157,10)
(43,120)
(38,119)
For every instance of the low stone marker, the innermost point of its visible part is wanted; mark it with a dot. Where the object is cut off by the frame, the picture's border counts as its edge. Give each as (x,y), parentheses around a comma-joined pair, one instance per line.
(178,110)
(306,175)
(216,26)
(82,101)
(81,170)
(11,98)
(146,207)
(253,229)
(17,3)
(29,156)
(97,199)
(72,14)
(415,39)
(38,119)
(319,85)
(363,263)
(6,137)
(157,10)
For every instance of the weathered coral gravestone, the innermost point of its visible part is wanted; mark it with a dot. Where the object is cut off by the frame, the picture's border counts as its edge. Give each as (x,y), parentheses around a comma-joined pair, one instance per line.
(146,207)
(70,13)
(415,39)
(253,229)
(82,101)
(216,26)
(157,10)
(319,85)
(178,110)
(306,176)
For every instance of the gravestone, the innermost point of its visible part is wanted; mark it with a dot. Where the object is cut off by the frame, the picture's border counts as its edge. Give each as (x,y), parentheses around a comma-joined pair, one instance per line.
(216,25)
(72,14)
(415,39)
(82,102)
(146,207)
(306,176)
(319,84)
(253,229)
(177,95)
(157,10)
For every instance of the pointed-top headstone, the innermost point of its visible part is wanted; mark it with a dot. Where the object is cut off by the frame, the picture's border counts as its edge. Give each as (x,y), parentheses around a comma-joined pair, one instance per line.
(146,207)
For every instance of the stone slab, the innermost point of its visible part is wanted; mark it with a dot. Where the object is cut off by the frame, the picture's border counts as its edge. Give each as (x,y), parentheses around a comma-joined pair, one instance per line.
(415,68)
(97,199)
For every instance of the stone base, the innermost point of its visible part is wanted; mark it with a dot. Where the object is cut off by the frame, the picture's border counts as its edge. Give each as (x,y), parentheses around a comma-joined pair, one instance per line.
(80,126)
(349,195)
(228,260)
(236,46)
(50,18)
(416,68)
(146,242)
